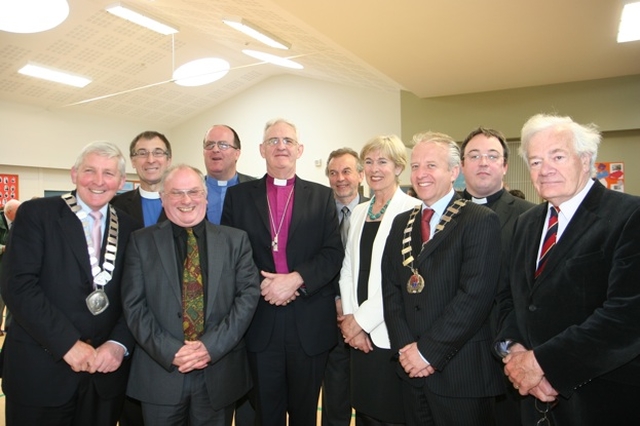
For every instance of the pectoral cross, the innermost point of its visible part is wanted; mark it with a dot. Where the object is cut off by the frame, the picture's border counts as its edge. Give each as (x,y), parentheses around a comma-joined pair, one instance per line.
(274,243)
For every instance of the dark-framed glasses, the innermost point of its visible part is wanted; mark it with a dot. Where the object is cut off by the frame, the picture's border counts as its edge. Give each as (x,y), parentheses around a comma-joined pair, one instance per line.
(157,153)
(222,145)
(285,141)
(476,157)
(178,194)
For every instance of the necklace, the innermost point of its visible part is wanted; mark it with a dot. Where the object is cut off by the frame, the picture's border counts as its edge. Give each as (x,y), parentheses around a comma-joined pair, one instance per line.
(276,232)
(380,213)
(97,301)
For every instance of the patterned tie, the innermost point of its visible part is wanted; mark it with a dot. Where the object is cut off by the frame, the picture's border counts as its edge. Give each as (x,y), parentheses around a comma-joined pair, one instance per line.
(427,214)
(192,293)
(549,240)
(344,224)
(96,233)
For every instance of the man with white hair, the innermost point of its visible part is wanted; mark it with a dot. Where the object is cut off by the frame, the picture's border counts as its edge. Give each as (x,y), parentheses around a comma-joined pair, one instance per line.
(570,334)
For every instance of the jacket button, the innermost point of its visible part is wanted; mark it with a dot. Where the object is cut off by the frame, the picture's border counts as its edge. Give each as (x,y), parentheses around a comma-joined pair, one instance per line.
(532,308)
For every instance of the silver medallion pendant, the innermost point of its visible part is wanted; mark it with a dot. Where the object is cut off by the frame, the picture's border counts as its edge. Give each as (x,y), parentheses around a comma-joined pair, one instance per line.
(415,283)
(97,301)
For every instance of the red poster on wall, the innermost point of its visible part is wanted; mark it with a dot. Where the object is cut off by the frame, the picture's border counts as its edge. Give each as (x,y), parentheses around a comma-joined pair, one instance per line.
(8,188)
(611,175)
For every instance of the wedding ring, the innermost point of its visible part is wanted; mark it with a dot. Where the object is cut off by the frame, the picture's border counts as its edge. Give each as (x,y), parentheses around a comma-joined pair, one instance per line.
(516,387)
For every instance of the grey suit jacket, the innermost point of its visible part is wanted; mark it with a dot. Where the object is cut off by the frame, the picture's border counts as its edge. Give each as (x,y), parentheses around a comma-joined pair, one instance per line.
(152,303)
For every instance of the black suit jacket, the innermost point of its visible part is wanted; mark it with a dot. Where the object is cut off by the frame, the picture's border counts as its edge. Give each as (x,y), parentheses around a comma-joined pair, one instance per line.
(131,203)
(449,319)
(153,308)
(314,250)
(581,316)
(45,281)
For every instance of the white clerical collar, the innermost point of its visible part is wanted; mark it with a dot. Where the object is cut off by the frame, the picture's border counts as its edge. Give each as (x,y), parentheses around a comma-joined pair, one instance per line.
(279,182)
(479,200)
(148,194)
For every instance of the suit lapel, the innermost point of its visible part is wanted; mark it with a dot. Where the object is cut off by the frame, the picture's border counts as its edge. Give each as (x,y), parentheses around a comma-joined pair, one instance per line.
(260,200)
(73,233)
(215,258)
(579,225)
(300,197)
(438,237)
(503,208)
(165,246)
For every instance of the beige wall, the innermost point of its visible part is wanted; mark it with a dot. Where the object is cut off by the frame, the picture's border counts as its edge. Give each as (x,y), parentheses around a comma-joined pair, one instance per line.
(612,104)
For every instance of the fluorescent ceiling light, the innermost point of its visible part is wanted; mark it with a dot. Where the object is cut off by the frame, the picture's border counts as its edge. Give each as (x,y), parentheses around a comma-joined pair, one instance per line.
(51,74)
(129,13)
(252,30)
(273,59)
(201,72)
(629,29)
(32,16)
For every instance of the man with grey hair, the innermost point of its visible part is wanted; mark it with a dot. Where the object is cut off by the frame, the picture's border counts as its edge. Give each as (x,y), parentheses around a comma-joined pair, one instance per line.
(345,172)
(65,359)
(293,228)
(570,334)
(190,291)
(440,272)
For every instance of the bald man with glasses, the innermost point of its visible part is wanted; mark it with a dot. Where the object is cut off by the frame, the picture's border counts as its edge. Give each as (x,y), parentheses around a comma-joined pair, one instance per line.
(221,149)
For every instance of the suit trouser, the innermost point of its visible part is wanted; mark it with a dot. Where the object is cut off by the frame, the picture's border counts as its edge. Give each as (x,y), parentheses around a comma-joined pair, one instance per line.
(285,379)
(336,405)
(425,408)
(85,408)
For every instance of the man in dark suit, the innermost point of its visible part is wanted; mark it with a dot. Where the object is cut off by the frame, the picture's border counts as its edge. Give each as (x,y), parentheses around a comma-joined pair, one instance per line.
(485,156)
(7,216)
(296,244)
(150,154)
(345,172)
(440,271)
(571,328)
(180,377)
(221,150)
(64,359)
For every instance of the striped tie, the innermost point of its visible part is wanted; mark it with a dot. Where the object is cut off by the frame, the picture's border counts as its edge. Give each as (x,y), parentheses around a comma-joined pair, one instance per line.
(549,240)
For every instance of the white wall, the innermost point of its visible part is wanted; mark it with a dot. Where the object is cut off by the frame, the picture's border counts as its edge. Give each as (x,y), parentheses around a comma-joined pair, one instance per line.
(41,145)
(327,116)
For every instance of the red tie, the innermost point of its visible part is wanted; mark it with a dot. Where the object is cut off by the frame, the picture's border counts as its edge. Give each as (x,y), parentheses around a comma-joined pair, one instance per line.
(427,214)
(549,240)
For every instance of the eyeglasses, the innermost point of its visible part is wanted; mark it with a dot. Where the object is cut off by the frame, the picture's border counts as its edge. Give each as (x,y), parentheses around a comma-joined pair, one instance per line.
(544,410)
(476,158)
(222,145)
(178,194)
(285,141)
(157,153)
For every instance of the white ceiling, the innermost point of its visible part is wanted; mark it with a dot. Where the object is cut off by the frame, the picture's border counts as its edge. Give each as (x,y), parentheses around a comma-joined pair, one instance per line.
(427,47)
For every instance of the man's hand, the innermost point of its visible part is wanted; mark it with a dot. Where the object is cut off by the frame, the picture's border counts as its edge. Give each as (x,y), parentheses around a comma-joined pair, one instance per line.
(361,342)
(412,361)
(192,356)
(523,370)
(80,356)
(108,358)
(280,289)
(544,391)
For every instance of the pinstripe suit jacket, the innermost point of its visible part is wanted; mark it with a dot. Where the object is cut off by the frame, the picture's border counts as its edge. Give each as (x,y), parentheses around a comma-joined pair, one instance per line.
(449,319)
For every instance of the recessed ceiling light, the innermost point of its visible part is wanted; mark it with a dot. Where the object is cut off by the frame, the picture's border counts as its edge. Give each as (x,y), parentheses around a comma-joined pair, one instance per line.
(252,30)
(32,16)
(629,29)
(273,59)
(131,14)
(201,71)
(51,74)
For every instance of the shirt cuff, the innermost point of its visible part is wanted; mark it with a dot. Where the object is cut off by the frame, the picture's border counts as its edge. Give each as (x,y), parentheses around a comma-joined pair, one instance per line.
(126,352)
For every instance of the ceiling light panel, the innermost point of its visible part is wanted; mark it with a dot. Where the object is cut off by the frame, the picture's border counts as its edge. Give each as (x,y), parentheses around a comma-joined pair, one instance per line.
(629,29)
(144,19)
(254,31)
(51,74)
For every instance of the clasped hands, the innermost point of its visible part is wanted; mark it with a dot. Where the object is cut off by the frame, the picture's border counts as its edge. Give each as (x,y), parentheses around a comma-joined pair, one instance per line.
(104,359)
(413,363)
(522,369)
(192,356)
(280,289)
